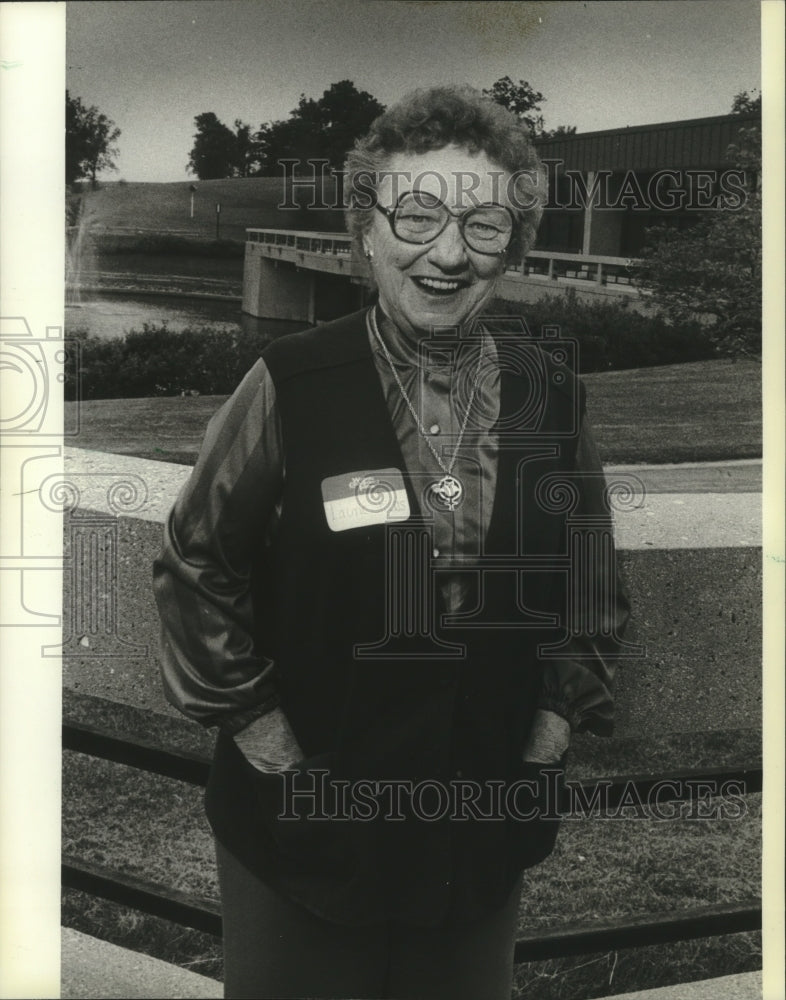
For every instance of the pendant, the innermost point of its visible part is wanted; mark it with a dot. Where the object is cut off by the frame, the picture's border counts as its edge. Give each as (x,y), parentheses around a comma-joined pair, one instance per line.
(448,493)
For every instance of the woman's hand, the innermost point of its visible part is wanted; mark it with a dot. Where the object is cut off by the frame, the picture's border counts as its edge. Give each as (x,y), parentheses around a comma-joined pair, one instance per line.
(268,743)
(548,739)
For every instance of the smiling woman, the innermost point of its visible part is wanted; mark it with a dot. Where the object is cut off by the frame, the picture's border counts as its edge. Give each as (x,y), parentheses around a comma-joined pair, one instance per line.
(441,154)
(394,704)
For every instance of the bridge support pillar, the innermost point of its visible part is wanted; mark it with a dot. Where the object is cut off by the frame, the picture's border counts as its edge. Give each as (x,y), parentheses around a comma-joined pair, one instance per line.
(275,289)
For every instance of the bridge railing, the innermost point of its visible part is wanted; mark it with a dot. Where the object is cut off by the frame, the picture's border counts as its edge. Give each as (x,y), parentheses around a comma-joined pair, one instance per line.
(324,243)
(596,268)
(593,268)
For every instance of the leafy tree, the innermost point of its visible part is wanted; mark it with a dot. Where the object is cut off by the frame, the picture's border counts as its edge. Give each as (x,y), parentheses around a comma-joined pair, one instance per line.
(558,131)
(519,98)
(89,141)
(214,154)
(219,152)
(319,129)
(743,103)
(247,150)
(712,271)
(524,102)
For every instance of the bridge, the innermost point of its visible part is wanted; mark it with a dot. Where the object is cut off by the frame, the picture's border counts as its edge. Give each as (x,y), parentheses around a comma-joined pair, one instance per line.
(310,276)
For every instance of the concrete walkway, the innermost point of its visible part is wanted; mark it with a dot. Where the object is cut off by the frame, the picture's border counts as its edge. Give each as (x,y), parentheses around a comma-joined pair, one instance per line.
(93,969)
(697,505)
(747,986)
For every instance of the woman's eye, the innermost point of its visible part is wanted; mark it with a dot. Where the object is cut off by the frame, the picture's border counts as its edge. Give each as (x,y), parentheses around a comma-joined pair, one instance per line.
(483,229)
(417,223)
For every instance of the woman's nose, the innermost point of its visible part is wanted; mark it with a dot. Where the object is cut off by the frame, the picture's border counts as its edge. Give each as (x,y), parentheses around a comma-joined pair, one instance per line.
(449,250)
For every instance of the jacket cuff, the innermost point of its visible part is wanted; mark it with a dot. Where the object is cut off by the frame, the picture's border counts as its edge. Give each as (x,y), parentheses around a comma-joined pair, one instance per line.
(234,722)
(559,707)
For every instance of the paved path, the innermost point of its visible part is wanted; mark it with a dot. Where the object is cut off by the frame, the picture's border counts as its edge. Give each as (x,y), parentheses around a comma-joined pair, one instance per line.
(747,986)
(93,969)
(703,505)
(740,476)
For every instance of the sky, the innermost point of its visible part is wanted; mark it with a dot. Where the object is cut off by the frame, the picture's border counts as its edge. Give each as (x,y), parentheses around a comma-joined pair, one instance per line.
(153,66)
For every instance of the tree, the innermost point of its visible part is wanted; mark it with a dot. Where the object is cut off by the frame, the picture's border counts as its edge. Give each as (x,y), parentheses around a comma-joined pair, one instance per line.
(219,152)
(215,152)
(319,129)
(743,103)
(246,151)
(89,141)
(558,131)
(521,99)
(524,102)
(713,270)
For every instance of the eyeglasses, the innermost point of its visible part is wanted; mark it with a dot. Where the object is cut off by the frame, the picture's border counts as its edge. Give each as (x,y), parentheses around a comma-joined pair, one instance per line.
(418,217)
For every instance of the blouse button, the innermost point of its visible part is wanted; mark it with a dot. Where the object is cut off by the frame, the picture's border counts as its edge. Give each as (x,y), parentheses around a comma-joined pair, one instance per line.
(434,429)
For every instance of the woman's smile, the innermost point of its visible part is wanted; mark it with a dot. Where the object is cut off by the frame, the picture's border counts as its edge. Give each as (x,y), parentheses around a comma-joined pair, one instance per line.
(440,287)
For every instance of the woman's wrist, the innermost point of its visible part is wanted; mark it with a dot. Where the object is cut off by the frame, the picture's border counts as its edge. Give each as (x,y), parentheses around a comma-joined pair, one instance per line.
(549,738)
(269,743)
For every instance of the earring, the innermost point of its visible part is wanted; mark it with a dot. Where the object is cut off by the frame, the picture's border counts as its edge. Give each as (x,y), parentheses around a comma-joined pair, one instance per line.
(369,254)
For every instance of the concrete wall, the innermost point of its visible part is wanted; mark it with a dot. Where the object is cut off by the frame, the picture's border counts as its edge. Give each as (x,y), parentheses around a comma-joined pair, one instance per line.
(276,289)
(695,596)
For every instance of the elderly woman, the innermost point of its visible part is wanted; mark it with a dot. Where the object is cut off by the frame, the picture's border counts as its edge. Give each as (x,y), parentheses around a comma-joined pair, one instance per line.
(369,587)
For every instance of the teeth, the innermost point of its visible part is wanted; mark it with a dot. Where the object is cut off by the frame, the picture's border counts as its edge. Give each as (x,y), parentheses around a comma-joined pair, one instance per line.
(440,283)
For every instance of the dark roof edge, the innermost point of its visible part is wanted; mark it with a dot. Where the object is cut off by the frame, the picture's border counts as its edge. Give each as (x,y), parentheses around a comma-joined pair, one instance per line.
(628,129)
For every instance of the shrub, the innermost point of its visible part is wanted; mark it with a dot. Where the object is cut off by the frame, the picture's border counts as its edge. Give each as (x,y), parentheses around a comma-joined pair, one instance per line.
(610,334)
(713,269)
(166,244)
(156,361)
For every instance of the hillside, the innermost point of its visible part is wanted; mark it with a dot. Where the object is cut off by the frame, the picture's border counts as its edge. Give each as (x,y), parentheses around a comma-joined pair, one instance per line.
(245,203)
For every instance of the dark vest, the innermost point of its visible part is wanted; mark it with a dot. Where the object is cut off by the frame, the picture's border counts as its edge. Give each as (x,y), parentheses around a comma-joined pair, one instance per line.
(372,697)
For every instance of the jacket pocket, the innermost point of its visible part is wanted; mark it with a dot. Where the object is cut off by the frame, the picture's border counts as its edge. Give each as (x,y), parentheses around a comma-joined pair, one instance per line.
(535,803)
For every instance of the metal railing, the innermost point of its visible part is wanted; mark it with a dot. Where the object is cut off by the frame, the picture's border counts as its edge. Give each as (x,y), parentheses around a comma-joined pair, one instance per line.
(546,943)
(596,269)
(306,242)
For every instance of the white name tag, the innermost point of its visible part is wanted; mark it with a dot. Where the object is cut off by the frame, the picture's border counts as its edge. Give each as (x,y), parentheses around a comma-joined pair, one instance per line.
(358,499)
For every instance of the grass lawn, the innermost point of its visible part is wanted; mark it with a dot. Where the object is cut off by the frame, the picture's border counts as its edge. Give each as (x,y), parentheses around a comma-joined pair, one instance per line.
(701,411)
(155,828)
(250,202)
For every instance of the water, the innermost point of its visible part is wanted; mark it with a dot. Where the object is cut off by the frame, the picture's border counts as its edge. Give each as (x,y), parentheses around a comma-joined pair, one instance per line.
(106,315)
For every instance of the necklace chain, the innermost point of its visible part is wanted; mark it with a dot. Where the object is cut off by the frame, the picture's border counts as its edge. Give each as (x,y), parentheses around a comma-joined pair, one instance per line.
(447,469)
